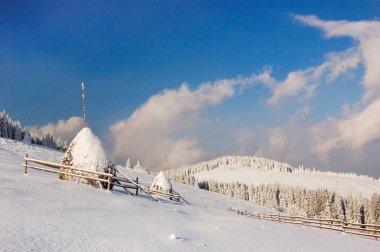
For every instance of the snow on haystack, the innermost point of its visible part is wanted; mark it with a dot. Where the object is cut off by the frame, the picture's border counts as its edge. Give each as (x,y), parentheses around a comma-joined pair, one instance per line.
(161,183)
(85,152)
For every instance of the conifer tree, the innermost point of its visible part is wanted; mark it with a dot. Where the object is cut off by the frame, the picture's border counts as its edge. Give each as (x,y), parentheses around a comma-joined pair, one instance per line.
(26,138)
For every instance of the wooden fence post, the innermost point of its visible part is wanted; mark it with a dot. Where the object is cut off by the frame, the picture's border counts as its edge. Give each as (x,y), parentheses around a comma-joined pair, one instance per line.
(26,164)
(109,183)
(374,233)
(137,190)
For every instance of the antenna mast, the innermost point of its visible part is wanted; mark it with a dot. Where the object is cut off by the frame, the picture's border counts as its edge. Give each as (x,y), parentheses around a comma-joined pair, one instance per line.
(84,105)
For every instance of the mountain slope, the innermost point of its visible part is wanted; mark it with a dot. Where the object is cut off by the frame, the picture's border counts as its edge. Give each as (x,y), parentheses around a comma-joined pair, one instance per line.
(344,185)
(255,170)
(40,212)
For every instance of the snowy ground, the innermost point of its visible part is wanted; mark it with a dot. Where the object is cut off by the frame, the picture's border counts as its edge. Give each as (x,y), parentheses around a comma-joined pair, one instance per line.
(34,151)
(42,213)
(364,187)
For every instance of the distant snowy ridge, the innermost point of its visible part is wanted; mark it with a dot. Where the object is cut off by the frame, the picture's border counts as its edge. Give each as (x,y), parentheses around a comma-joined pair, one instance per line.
(258,163)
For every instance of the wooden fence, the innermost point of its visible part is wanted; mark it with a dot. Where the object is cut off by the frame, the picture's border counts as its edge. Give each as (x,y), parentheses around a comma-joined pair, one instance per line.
(57,168)
(368,230)
(125,182)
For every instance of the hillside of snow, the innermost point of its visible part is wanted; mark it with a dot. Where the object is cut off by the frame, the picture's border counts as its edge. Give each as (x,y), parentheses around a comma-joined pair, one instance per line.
(252,170)
(42,213)
(18,148)
(343,185)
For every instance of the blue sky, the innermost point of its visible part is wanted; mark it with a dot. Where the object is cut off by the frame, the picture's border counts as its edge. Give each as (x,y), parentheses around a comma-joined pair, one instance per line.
(128,51)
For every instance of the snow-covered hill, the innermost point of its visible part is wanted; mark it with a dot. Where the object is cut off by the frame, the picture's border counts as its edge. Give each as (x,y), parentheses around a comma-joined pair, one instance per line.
(40,212)
(343,185)
(255,170)
(298,191)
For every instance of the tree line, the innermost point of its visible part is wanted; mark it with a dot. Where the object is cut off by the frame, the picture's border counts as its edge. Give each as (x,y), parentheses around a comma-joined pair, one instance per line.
(297,201)
(13,129)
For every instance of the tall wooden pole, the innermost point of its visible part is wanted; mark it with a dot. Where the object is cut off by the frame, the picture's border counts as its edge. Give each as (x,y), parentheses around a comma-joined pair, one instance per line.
(84,105)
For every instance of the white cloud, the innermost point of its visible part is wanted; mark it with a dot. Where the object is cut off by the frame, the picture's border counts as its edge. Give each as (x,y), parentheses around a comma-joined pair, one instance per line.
(357,128)
(321,145)
(367,34)
(151,129)
(340,63)
(247,139)
(295,83)
(302,83)
(353,132)
(64,129)
(288,142)
(300,114)
(358,30)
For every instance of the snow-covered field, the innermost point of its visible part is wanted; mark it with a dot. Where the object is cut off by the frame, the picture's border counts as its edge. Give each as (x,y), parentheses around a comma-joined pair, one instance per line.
(39,212)
(19,149)
(343,185)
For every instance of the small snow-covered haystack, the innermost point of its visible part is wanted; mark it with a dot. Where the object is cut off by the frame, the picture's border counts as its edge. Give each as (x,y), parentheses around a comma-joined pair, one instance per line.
(84,152)
(161,183)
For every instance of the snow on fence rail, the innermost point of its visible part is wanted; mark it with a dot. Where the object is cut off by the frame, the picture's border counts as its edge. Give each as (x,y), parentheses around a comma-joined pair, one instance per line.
(93,175)
(172,196)
(332,224)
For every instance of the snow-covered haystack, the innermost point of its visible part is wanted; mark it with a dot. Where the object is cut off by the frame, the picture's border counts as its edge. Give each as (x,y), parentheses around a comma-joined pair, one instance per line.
(161,183)
(85,152)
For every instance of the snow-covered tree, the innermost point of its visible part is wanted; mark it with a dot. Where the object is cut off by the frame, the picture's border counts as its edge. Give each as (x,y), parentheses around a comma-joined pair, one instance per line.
(65,146)
(26,138)
(128,164)
(139,167)
(374,209)
(17,131)
(352,210)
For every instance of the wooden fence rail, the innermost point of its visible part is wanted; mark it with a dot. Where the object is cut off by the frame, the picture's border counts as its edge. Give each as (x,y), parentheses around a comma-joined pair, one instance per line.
(92,175)
(368,230)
